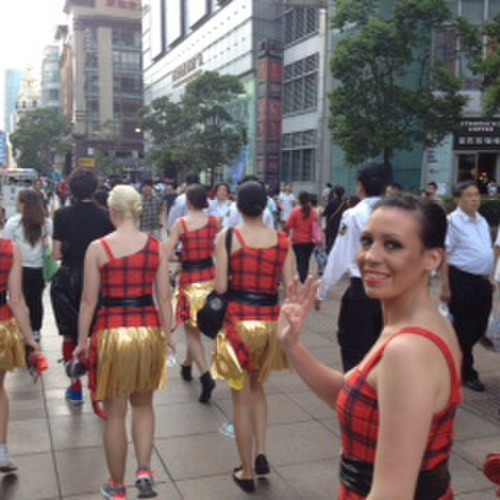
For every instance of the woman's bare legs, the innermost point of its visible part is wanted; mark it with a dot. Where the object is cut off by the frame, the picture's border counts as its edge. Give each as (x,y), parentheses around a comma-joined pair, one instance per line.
(195,349)
(259,414)
(243,428)
(4,410)
(115,438)
(143,427)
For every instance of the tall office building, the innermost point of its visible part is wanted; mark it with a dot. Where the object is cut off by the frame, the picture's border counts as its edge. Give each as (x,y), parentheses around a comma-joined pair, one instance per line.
(13,78)
(51,78)
(4,153)
(101,73)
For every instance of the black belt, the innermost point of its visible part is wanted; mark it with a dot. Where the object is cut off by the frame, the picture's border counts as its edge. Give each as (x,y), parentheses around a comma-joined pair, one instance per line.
(197,265)
(465,274)
(144,301)
(358,477)
(3,298)
(252,298)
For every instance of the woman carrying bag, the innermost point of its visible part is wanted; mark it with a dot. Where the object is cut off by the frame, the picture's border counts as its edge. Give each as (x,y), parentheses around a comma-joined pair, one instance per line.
(197,234)
(31,231)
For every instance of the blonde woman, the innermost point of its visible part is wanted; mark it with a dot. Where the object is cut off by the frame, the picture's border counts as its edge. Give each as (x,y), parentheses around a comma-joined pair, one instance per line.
(129,338)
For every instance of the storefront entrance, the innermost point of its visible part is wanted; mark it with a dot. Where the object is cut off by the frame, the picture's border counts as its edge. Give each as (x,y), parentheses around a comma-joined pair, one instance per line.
(479,167)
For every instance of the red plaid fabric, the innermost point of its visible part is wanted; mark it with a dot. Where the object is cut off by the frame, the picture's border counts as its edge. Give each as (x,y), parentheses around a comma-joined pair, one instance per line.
(255,270)
(357,409)
(6,261)
(197,245)
(127,278)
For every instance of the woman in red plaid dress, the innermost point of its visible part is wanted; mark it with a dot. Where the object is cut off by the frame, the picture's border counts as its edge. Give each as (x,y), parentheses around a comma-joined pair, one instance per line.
(247,350)
(129,336)
(15,334)
(397,407)
(197,234)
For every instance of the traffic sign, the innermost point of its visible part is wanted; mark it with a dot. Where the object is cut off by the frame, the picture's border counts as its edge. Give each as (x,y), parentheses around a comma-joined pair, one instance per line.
(86,162)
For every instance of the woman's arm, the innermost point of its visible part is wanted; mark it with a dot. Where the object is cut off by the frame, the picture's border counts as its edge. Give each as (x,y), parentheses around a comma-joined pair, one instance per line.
(408,382)
(57,249)
(325,382)
(90,295)
(16,300)
(162,292)
(173,240)
(221,263)
(289,269)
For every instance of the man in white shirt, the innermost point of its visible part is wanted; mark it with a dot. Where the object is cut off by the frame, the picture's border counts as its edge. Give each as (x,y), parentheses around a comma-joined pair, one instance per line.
(286,201)
(179,208)
(465,278)
(360,318)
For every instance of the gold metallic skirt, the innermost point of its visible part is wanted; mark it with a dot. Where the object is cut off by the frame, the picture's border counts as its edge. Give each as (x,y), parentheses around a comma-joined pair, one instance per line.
(12,354)
(129,360)
(189,299)
(266,354)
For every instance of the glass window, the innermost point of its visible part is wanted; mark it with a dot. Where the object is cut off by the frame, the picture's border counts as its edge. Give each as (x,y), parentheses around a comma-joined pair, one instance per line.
(494,9)
(296,164)
(308,165)
(473,10)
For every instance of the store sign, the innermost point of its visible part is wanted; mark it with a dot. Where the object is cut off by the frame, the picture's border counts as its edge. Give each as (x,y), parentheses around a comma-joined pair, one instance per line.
(187,67)
(478,134)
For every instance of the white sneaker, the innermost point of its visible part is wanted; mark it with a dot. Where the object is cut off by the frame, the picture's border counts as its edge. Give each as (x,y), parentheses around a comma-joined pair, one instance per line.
(37,337)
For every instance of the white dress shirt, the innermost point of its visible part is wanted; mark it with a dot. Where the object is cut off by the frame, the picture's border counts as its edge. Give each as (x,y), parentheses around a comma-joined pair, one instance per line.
(287,202)
(342,257)
(218,209)
(468,243)
(235,219)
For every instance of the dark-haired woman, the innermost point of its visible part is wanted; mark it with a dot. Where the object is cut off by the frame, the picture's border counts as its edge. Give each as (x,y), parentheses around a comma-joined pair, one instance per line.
(197,234)
(247,350)
(397,407)
(31,231)
(332,214)
(219,207)
(300,225)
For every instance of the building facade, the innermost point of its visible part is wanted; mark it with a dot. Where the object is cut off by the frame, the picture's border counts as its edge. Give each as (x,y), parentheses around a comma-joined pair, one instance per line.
(101,81)
(4,152)
(51,78)
(13,79)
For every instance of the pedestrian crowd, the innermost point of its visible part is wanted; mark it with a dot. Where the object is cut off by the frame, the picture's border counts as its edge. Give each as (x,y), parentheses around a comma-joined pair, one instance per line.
(120,294)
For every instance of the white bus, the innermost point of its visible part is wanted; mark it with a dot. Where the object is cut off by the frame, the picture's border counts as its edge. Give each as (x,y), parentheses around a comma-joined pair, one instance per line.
(13,181)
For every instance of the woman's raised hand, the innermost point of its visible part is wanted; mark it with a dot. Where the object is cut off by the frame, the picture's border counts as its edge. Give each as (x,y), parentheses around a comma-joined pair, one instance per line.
(298,304)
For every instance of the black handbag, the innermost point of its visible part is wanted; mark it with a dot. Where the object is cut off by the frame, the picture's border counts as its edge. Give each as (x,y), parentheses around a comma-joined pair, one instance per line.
(210,317)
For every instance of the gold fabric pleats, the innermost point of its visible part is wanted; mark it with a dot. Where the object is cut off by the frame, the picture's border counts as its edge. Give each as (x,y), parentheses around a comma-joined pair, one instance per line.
(12,353)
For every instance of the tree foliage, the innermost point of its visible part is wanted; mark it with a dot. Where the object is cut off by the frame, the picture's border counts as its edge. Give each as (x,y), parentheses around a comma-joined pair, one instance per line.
(388,93)
(39,135)
(198,132)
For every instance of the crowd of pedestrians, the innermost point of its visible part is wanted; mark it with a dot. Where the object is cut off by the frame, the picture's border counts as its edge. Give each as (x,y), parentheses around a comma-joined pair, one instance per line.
(403,362)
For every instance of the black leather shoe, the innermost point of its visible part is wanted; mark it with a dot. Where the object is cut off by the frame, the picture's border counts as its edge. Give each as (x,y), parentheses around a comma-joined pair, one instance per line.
(186,373)
(261,465)
(474,385)
(247,485)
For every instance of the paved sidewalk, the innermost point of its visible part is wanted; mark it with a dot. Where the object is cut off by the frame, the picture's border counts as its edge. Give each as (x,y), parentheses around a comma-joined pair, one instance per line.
(59,453)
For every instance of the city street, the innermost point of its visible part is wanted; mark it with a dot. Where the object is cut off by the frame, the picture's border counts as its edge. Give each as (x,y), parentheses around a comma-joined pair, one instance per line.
(59,453)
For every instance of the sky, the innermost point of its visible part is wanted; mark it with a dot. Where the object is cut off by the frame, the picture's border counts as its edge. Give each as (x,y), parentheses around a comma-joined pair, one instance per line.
(26,26)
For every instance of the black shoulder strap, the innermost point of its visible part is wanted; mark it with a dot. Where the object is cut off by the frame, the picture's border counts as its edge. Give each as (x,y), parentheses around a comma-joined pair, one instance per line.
(229,243)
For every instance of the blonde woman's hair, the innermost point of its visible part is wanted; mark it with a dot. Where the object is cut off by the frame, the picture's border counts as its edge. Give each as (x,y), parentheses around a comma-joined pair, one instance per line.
(126,201)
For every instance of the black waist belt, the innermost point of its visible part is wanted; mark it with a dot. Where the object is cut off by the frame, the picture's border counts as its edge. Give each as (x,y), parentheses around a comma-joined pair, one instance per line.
(465,274)
(3,298)
(358,477)
(197,265)
(252,298)
(144,301)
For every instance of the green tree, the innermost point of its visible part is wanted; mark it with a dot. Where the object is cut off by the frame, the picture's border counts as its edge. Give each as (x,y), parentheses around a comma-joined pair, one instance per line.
(388,93)
(39,135)
(488,64)
(198,132)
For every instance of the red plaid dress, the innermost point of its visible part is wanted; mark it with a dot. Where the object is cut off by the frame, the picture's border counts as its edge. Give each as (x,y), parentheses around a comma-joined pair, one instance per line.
(128,346)
(254,270)
(6,261)
(357,409)
(197,245)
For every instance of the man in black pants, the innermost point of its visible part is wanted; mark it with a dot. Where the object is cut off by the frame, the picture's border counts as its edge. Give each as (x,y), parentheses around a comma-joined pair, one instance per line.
(360,318)
(465,279)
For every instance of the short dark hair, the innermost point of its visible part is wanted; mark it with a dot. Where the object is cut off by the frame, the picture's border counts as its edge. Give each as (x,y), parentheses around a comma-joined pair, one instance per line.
(148,182)
(192,178)
(338,191)
(432,217)
(372,176)
(433,184)
(459,189)
(196,194)
(83,183)
(251,199)
(219,184)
